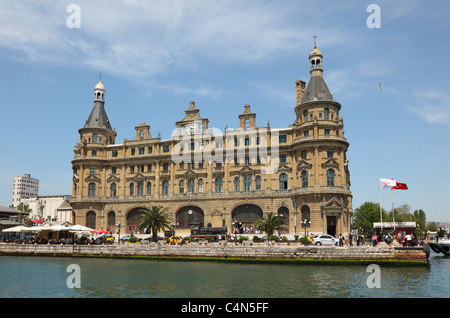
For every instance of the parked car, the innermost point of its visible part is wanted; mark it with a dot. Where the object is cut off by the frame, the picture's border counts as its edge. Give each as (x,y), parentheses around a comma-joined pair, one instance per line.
(324,239)
(108,238)
(125,238)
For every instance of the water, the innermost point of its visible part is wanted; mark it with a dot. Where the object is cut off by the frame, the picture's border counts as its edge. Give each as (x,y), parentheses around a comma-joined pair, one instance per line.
(37,277)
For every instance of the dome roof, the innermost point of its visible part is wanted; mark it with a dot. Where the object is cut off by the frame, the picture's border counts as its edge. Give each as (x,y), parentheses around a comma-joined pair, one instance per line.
(99,85)
(315,51)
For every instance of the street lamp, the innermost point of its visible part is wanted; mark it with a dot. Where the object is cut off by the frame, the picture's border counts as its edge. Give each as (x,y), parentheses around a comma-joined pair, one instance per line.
(305,223)
(236,226)
(118,238)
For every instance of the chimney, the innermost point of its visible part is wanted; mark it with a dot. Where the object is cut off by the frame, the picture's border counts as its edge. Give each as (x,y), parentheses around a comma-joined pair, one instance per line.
(300,89)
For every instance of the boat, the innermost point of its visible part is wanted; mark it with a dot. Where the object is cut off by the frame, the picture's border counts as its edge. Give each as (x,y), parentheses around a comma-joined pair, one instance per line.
(441,246)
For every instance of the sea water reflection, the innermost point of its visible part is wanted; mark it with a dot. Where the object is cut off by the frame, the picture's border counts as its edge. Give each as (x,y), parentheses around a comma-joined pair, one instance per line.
(47,277)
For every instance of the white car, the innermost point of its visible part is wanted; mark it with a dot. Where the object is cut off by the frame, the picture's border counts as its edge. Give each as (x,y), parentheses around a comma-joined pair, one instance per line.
(324,239)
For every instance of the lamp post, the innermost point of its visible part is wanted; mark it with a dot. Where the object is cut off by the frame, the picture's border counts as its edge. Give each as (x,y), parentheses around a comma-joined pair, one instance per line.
(305,223)
(118,238)
(236,226)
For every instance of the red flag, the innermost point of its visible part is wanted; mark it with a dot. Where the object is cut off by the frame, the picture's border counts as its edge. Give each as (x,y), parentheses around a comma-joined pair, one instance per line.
(400,186)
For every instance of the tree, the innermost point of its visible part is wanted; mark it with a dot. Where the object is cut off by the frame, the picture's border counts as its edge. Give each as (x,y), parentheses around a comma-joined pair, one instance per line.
(270,223)
(366,215)
(155,218)
(421,219)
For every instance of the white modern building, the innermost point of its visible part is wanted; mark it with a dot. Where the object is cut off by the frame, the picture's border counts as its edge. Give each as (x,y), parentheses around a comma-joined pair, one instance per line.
(24,188)
(47,207)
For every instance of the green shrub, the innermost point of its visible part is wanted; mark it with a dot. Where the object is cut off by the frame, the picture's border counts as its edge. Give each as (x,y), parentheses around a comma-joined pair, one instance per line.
(132,239)
(256,238)
(296,237)
(273,238)
(210,238)
(243,238)
(187,239)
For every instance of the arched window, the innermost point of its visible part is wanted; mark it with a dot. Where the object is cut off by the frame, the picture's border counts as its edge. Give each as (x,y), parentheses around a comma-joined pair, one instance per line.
(165,187)
(247,124)
(305,115)
(200,185)
(218,183)
(330,177)
(326,114)
(247,183)
(94,138)
(90,219)
(113,189)
(92,188)
(191,186)
(131,188)
(181,185)
(304,178)
(283,181)
(258,183)
(306,215)
(236,184)
(140,188)
(149,188)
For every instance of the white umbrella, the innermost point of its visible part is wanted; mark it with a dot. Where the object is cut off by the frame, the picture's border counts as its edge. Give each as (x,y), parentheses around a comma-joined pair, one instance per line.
(17,229)
(78,228)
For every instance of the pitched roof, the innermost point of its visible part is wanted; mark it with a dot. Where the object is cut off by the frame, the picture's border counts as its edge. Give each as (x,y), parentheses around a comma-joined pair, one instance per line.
(317,90)
(98,118)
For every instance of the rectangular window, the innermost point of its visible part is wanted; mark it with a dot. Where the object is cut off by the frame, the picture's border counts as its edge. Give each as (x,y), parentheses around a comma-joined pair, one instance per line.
(326,132)
(282,139)
(141,150)
(219,144)
(150,149)
(236,161)
(94,153)
(132,169)
(236,141)
(329,152)
(165,166)
(306,133)
(114,170)
(181,165)
(283,158)
(92,170)
(247,141)
(218,165)
(149,168)
(115,153)
(133,151)
(200,165)
(304,153)
(166,148)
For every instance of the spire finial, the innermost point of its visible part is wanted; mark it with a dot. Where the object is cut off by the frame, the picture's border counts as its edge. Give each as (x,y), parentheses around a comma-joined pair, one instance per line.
(100,77)
(315,37)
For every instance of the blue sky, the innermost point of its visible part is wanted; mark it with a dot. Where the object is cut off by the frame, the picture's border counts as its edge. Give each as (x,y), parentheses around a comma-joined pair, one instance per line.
(157,56)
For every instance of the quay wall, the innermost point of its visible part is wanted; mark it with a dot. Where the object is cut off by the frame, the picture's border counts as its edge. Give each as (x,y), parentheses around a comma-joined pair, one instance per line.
(301,254)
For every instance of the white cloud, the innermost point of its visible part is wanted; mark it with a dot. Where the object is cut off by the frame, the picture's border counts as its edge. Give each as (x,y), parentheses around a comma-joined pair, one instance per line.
(432,106)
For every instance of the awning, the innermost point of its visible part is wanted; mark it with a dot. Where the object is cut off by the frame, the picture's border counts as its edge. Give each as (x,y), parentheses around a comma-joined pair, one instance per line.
(18,229)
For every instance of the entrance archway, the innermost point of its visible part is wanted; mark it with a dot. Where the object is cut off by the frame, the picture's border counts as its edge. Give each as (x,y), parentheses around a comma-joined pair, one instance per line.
(190,216)
(111,221)
(133,219)
(331,225)
(246,215)
(284,213)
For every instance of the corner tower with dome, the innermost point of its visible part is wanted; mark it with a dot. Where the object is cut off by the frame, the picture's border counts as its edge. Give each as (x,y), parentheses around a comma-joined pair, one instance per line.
(113,182)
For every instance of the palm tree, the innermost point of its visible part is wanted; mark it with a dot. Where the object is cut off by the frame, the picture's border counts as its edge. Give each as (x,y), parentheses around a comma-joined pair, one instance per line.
(270,223)
(154,218)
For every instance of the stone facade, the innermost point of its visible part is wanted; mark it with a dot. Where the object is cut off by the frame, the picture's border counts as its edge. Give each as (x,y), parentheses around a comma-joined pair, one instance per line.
(205,176)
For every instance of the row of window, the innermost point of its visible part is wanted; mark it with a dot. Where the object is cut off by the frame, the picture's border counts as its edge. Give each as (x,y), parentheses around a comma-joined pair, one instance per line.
(191,165)
(307,116)
(139,188)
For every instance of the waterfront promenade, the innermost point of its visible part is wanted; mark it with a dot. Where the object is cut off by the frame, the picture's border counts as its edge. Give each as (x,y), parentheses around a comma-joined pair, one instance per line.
(279,252)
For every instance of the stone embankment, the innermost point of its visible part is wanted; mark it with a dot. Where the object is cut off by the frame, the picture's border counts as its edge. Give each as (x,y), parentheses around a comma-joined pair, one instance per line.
(257,253)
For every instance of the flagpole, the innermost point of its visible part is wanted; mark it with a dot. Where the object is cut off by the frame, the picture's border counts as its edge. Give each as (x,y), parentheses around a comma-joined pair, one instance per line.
(393,211)
(381,215)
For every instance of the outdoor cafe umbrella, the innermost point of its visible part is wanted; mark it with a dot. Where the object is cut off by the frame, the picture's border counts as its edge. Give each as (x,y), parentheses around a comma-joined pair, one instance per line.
(99,231)
(18,229)
(79,228)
